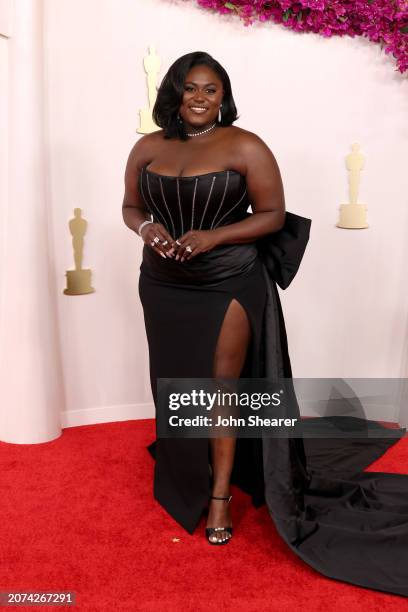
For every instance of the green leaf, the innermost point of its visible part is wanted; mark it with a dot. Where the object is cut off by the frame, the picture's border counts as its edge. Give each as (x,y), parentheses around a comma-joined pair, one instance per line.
(404,29)
(286,14)
(299,16)
(230,5)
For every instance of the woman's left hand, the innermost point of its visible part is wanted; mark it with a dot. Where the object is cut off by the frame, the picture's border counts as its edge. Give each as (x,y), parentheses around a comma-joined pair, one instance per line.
(200,241)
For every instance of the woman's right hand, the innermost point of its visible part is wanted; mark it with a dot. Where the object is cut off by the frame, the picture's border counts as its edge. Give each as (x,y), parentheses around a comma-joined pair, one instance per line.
(165,245)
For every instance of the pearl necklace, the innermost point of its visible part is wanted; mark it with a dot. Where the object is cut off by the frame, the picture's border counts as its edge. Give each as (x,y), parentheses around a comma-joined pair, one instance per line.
(203,131)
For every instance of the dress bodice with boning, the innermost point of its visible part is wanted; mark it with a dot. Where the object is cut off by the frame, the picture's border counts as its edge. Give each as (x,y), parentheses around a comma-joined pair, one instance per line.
(201,202)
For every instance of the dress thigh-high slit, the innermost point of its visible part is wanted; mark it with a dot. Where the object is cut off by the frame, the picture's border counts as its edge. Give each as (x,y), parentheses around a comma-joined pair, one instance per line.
(233,342)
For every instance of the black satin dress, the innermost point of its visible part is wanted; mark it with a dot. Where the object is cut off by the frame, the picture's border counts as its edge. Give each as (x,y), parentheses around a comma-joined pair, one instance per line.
(349,525)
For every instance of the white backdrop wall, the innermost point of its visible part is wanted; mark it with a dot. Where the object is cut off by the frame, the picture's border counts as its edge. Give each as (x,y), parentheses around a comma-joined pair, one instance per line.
(309,98)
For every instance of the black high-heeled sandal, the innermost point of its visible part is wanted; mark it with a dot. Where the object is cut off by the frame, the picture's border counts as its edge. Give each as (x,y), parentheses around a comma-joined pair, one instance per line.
(209,531)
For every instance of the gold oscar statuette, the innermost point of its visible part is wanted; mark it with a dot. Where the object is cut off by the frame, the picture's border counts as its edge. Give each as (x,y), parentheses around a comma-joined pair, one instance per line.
(78,280)
(151,63)
(353,214)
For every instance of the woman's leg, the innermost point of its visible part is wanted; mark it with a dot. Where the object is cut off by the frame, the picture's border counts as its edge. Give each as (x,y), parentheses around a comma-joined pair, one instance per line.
(231,349)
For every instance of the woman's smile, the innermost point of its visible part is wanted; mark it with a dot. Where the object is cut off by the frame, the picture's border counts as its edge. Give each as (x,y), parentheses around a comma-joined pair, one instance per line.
(198,110)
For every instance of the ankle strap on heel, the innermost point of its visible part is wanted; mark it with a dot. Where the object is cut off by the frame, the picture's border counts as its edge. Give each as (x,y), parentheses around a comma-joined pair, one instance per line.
(225,498)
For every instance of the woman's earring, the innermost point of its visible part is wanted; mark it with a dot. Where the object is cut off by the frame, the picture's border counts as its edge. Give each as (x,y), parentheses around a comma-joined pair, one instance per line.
(219,114)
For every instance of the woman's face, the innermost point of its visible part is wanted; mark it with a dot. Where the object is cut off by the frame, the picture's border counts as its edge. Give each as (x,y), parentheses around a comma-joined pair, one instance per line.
(202,89)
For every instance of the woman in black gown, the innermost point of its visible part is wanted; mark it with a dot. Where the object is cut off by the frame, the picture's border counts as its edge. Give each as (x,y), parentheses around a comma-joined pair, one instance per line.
(211,308)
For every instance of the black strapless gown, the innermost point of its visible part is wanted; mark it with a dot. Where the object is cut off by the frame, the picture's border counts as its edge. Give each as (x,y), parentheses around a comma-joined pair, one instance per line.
(349,525)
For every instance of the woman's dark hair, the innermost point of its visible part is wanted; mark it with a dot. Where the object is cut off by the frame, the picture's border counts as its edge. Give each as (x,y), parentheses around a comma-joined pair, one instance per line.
(171,90)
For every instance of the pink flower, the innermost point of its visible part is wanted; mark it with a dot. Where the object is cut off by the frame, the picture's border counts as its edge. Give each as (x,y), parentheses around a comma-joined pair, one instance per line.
(381,21)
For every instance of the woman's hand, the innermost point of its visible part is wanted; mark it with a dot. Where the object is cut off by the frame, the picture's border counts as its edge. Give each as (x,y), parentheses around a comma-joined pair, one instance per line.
(158,238)
(200,241)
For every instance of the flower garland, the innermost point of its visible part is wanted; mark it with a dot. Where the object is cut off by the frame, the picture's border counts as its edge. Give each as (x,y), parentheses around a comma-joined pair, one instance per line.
(382,21)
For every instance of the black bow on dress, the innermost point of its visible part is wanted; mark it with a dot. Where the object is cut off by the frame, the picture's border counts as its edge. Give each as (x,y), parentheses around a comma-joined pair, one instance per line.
(282,251)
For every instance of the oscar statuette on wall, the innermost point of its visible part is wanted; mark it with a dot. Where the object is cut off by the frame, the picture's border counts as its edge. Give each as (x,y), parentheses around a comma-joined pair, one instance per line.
(78,280)
(353,214)
(151,63)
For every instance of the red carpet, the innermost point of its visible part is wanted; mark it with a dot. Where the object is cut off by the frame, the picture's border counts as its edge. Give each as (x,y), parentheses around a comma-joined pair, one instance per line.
(78,514)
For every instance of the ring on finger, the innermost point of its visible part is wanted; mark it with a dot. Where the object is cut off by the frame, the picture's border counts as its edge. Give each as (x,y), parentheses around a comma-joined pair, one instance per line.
(156,239)
(188,249)
(165,242)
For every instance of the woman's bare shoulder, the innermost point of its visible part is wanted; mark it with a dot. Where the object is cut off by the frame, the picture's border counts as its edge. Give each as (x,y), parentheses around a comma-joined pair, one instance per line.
(247,138)
(143,150)
(254,151)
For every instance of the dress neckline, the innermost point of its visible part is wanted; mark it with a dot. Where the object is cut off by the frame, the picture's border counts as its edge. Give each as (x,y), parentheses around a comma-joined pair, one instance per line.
(194,175)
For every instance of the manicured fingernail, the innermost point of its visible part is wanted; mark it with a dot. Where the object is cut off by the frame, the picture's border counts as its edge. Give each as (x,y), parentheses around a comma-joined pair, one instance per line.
(163,255)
